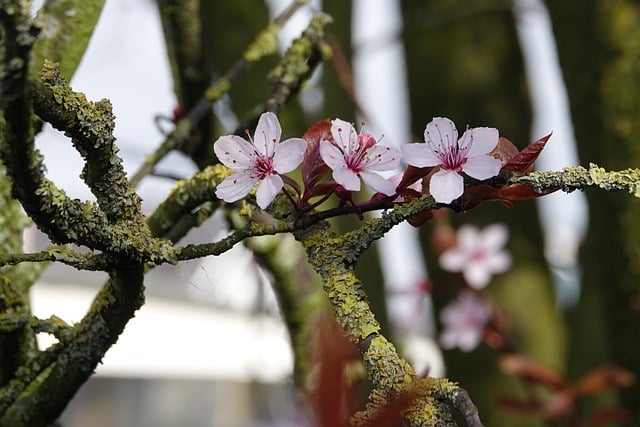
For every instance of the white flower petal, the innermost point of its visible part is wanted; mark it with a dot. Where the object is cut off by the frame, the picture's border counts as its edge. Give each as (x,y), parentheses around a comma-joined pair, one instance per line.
(469,339)
(382,158)
(267,190)
(234,152)
(446,186)
(453,260)
(347,178)
(482,167)
(448,339)
(378,183)
(476,274)
(289,154)
(469,238)
(235,187)
(419,155)
(331,155)
(494,236)
(267,134)
(441,133)
(499,262)
(481,140)
(344,135)
(464,320)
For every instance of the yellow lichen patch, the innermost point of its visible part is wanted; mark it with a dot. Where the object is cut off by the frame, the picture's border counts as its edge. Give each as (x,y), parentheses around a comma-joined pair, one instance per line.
(628,179)
(265,44)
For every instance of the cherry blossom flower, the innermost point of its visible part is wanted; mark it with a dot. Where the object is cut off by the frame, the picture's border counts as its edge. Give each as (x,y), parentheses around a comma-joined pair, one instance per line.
(261,159)
(352,156)
(468,154)
(478,254)
(464,320)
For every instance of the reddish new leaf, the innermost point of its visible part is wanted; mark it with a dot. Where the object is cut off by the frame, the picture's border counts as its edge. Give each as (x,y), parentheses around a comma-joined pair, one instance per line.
(407,194)
(515,192)
(506,194)
(558,406)
(412,174)
(603,379)
(331,394)
(419,219)
(313,167)
(504,151)
(523,161)
(532,370)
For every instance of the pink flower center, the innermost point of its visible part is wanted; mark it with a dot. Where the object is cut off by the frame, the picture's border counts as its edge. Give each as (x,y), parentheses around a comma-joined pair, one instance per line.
(262,168)
(479,254)
(453,158)
(354,161)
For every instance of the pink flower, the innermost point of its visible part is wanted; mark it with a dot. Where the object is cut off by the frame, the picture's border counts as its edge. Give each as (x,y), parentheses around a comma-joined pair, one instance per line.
(352,156)
(464,320)
(478,254)
(262,160)
(469,154)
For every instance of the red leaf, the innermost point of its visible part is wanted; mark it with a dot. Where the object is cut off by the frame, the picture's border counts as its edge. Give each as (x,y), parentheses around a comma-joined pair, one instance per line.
(516,192)
(504,151)
(558,406)
(532,370)
(331,394)
(523,161)
(419,219)
(313,168)
(506,194)
(411,175)
(603,379)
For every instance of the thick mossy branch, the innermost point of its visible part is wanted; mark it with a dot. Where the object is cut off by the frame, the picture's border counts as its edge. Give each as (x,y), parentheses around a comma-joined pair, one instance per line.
(580,178)
(286,266)
(90,126)
(66,27)
(188,195)
(334,257)
(122,232)
(39,392)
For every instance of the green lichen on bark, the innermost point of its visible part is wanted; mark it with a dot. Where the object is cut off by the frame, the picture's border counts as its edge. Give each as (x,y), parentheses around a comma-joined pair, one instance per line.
(65,29)
(42,388)
(18,341)
(334,257)
(184,201)
(580,178)
(299,61)
(265,44)
(90,126)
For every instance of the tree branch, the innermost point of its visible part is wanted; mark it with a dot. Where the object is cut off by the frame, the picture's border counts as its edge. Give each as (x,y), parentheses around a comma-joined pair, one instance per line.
(66,27)
(579,178)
